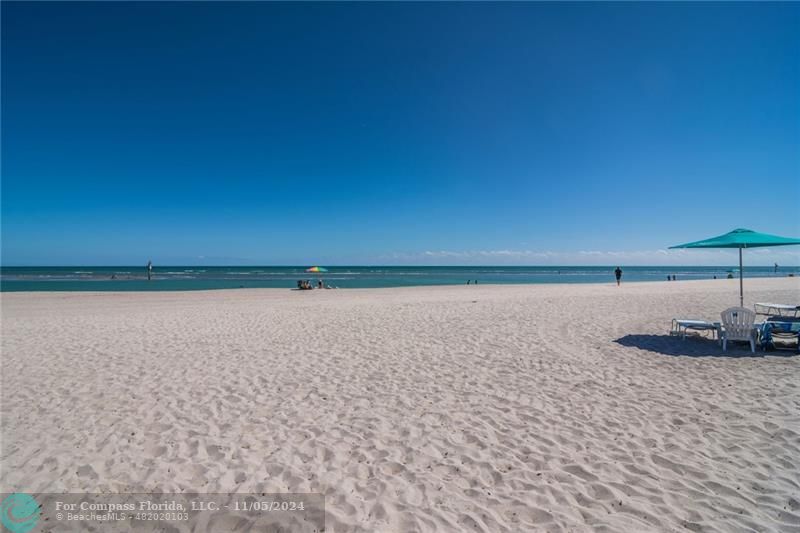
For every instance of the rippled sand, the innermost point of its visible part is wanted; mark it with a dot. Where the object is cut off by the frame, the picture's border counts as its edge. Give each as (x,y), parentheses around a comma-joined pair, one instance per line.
(480,408)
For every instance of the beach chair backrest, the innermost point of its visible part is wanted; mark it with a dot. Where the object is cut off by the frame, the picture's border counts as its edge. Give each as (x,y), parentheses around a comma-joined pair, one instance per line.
(738,322)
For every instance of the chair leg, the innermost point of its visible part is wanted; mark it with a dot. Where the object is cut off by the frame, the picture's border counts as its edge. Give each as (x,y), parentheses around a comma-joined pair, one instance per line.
(752,346)
(724,345)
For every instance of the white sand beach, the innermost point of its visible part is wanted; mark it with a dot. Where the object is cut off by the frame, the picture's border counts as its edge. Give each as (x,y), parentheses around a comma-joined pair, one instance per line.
(460,408)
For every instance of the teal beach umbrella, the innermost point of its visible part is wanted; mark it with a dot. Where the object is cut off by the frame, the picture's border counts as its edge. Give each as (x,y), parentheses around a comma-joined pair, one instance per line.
(741,238)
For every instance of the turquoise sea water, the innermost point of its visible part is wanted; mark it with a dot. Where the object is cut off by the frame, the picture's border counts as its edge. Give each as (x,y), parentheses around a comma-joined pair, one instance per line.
(171,278)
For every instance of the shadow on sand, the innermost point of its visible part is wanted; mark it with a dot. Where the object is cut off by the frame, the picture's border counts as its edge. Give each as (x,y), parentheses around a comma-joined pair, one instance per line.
(694,346)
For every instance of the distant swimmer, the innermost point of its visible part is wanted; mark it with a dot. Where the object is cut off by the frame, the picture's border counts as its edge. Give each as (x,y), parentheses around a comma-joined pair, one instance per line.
(776,268)
(468,281)
(149,269)
(618,275)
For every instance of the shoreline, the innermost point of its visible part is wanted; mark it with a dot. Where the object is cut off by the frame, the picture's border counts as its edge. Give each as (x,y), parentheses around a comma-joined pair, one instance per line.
(121,279)
(277,290)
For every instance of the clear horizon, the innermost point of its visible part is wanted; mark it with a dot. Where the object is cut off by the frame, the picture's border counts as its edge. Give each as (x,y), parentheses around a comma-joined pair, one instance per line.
(196,134)
(406,265)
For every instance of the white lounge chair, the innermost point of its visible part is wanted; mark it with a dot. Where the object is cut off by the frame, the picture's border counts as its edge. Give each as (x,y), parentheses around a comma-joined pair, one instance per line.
(681,326)
(738,324)
(770,309)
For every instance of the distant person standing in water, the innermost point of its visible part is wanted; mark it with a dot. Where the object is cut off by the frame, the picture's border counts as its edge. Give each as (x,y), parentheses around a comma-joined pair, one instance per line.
(776,268)
(618,275)
(149,269)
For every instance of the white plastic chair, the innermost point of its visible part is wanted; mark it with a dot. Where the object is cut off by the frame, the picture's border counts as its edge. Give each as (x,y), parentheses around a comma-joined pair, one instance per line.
(738,324)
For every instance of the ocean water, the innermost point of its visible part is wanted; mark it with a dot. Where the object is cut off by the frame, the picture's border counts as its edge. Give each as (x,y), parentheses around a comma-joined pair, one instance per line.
(172,278)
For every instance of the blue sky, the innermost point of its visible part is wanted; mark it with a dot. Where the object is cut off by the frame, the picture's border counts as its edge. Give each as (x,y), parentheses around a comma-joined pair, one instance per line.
(403,133)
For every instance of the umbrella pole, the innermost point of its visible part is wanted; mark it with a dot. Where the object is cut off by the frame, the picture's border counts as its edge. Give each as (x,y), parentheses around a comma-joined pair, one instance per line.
(741,289)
